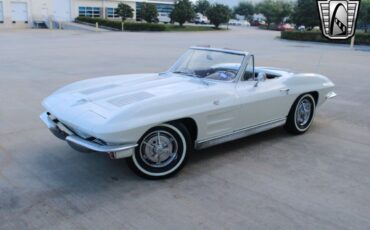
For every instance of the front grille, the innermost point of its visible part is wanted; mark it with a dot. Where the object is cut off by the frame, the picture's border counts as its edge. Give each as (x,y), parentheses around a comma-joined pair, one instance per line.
(67,129)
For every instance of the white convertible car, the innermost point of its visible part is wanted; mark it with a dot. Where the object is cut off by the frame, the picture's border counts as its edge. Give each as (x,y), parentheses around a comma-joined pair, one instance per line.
(208,97)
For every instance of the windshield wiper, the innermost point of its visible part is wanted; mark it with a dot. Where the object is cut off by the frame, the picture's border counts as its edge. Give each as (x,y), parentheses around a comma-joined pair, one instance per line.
(186,73)
(192,75)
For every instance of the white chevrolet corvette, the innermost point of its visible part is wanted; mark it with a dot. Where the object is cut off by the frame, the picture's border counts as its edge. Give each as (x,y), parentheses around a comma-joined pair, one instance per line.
(208,97)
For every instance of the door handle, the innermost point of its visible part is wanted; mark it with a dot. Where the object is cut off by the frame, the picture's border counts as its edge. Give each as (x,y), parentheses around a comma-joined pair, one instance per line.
(285,90)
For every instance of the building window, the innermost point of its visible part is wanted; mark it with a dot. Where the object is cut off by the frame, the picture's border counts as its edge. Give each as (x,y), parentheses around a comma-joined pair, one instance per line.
(164,8)
(92,12)
(112,13)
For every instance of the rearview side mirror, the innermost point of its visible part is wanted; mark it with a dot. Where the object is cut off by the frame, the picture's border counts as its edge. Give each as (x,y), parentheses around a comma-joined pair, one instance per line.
(260,77)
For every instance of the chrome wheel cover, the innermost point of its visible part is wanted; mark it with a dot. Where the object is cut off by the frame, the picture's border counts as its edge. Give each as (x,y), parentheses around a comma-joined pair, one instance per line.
(158,149)
(303,112)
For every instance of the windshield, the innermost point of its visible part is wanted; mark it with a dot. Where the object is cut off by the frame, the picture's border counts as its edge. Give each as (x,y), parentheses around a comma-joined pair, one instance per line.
(209,64)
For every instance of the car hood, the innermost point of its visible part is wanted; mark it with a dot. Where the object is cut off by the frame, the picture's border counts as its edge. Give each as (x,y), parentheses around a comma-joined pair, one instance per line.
(98,100)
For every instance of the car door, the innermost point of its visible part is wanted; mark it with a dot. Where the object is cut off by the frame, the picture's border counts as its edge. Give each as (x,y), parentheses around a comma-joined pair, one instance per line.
(262,103)
(221,112)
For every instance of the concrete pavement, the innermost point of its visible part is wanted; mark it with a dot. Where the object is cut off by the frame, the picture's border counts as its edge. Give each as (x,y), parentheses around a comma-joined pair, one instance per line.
(273,180)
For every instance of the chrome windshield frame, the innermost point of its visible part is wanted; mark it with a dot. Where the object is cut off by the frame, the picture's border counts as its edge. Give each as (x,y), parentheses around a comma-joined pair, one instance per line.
(243,63)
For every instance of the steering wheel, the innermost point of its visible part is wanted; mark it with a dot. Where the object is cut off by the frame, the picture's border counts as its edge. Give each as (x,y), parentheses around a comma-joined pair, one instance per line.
(222,75)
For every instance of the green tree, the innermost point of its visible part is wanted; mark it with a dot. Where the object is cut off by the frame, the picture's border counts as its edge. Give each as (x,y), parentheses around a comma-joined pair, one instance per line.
(285,11)
(201,6)
(219,14)
(245,9)
(364,14)
(305,13)
(125,11)
(182,12)
(149,13)
(274,11)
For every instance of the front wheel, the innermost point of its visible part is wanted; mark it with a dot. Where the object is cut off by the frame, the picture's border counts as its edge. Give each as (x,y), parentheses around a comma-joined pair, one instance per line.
(162,151)
(301,114)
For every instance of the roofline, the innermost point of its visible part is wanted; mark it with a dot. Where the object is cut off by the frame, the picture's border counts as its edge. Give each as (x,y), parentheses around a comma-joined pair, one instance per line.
(224,50)
(153,1)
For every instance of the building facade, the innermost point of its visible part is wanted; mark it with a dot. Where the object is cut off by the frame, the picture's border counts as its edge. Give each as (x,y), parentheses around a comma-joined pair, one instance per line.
(24,13)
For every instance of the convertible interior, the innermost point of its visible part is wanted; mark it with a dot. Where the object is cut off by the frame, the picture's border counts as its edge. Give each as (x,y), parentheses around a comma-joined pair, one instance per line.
(228,72)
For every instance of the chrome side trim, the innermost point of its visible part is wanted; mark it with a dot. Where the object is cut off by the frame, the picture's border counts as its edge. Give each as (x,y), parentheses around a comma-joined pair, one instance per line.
(240,133)
(331,95)
(99,148)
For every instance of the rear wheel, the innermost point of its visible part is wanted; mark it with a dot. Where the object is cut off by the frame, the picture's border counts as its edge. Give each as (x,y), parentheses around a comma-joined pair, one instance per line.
(301,114)
(162,151)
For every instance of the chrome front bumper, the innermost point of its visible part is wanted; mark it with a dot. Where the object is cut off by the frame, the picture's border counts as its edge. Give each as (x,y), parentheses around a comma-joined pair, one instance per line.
(80,144)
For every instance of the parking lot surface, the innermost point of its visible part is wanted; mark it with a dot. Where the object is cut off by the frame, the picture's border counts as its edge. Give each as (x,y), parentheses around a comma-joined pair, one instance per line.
(273,180)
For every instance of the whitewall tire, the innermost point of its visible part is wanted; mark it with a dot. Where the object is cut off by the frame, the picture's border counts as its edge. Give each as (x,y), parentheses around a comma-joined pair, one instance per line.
(301,114)
(162,151)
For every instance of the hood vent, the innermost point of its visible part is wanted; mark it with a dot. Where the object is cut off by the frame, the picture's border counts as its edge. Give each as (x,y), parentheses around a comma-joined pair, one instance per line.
(129,99)
(98,89)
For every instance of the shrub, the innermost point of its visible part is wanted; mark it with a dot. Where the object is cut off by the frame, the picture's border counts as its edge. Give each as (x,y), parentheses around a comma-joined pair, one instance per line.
(144,27)
(102,22)
(316,36)
(129,26)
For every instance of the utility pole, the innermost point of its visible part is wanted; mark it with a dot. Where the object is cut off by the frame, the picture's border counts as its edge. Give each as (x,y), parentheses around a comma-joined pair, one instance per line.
(352,41)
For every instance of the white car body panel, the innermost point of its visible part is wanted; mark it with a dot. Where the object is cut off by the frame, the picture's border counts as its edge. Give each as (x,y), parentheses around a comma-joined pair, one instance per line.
(100,118)
(120,109)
